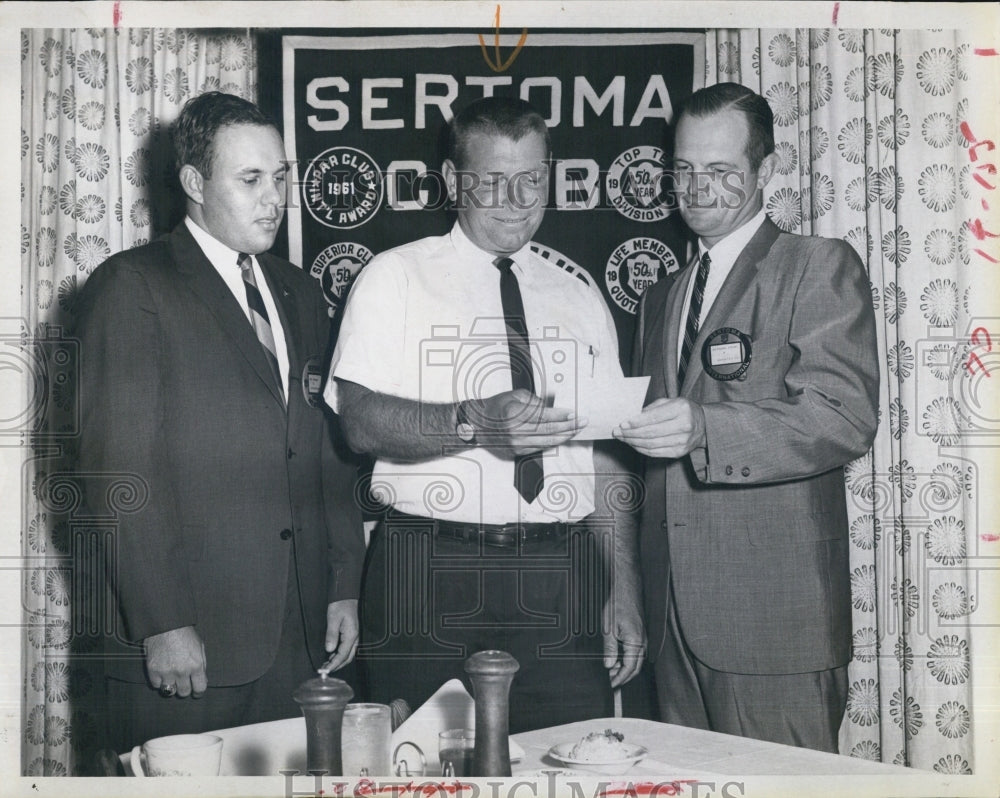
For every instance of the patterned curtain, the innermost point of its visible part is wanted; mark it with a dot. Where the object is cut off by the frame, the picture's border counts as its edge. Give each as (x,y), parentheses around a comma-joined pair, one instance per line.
(95,179)
(870,150)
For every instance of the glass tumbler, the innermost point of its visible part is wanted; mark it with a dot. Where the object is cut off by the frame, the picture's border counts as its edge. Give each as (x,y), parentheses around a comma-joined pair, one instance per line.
(365,740)
(455,748)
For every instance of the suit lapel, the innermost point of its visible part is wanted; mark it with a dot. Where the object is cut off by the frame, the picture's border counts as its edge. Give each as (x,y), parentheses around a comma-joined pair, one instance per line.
(206,284)
(735,287)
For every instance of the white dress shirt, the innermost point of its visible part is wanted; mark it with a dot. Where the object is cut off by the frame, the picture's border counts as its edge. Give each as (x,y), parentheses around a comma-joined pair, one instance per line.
(723,255)
(425,322)
(224,260)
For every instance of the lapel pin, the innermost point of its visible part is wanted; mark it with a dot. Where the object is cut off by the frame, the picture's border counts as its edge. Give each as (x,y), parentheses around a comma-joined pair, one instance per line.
(726,354)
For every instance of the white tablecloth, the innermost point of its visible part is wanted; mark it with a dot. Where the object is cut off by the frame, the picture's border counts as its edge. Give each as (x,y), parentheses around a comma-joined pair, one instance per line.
(677,752)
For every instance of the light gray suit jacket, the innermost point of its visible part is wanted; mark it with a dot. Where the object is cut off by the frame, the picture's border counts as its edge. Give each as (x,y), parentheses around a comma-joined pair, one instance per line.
(753,527)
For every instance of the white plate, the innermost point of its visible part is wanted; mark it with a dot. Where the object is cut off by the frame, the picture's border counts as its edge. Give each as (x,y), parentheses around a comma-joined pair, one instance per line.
(615,767)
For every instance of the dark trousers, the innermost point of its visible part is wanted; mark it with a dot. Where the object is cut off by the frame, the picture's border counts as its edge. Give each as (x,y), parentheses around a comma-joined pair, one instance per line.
(802,709)
(137,713)
(428,603)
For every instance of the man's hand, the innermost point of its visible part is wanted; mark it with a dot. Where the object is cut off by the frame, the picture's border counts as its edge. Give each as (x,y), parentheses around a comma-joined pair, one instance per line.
(342,633)
(177,658)
(519,423)
(511,423)
(665,428)
(625,640)
(624,632)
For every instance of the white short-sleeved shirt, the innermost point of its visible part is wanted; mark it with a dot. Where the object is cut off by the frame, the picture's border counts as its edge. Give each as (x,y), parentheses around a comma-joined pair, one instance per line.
(425,322)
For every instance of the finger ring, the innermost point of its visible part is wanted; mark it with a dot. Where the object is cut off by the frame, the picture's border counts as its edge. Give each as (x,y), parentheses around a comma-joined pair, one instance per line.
(168,690)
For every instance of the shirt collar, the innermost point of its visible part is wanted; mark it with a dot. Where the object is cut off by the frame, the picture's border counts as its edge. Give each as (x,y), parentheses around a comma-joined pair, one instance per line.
(219,255)
(729,248)
(472,253)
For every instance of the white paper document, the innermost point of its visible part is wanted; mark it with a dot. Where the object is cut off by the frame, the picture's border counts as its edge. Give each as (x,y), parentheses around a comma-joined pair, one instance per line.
(604,404)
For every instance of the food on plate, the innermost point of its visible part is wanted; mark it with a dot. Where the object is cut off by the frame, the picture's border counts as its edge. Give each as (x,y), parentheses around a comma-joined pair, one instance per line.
(605,746)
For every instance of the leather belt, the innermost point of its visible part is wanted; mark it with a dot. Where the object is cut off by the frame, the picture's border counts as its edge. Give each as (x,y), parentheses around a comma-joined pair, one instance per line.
(508,536)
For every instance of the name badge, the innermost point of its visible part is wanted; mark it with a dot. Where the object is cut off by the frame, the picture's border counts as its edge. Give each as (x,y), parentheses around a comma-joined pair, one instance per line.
(726,354)
(312,382)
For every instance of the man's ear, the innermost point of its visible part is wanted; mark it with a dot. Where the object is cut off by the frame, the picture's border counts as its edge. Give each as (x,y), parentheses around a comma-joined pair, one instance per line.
(448,171)
(192,182)
(767,169)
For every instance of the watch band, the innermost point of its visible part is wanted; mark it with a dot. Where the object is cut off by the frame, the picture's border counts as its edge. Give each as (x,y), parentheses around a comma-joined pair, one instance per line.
(464,428)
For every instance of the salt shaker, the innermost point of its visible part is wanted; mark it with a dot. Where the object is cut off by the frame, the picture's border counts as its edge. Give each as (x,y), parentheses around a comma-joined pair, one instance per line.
(491,673)
(323,700)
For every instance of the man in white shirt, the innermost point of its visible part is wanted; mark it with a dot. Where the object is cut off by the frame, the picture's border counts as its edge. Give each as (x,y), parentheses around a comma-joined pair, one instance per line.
(456,367)
(764,383)
(236,569)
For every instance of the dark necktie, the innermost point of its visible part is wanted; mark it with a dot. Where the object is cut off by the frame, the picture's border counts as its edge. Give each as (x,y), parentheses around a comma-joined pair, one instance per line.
(529,475)
(258,317)
(694,314)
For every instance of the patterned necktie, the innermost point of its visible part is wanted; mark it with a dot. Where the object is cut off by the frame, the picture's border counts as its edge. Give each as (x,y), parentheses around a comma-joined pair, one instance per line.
(694,314)
(529,475)
(258,317)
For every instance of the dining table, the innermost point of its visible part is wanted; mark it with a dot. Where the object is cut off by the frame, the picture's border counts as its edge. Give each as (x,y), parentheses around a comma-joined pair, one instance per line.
(683,753)
(676,754)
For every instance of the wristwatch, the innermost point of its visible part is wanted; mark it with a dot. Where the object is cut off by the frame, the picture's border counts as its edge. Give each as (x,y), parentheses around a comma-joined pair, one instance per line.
(464,427)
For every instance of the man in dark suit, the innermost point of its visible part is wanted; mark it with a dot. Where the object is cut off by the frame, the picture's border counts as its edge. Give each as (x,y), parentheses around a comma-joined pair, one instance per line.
(764,383)
(201,363)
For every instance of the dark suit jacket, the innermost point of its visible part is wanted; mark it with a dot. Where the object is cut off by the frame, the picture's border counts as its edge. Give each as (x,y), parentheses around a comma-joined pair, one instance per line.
(753,528)
(176,391)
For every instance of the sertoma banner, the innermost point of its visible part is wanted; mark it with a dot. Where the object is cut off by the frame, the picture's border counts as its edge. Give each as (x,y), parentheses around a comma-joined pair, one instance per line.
(364,118)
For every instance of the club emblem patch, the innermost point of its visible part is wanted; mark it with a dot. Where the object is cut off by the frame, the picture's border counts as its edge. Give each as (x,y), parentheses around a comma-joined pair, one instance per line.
(343,187)
(634,266)
(635,184)
(336,266)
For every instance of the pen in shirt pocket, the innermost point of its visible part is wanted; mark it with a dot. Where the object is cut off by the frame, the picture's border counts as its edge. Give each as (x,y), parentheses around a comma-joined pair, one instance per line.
(593,352)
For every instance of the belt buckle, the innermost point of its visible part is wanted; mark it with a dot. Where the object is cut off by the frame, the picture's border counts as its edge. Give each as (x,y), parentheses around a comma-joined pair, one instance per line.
(504,536)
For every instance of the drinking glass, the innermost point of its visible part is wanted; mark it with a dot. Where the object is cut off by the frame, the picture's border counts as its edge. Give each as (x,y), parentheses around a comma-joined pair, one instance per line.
(455,747)
(365,740)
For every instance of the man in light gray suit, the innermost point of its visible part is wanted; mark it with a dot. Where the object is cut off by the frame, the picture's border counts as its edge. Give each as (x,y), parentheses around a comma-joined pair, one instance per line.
(764,383)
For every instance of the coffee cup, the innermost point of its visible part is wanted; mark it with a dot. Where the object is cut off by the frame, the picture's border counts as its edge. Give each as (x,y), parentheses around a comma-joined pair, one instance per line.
(178,755)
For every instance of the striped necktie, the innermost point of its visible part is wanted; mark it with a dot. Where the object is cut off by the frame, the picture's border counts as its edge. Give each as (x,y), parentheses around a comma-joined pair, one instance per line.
(258,317)
(529,474)
(694,315)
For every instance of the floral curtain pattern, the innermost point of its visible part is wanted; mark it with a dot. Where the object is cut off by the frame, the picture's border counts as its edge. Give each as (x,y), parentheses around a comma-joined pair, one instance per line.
(870,150)
(95,107)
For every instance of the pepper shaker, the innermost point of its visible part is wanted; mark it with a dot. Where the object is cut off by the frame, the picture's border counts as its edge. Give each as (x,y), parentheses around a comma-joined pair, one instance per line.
(322,700)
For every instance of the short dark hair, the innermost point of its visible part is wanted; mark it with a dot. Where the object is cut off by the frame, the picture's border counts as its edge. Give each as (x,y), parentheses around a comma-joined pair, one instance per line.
(494,116)
(200,120)
(755,109)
